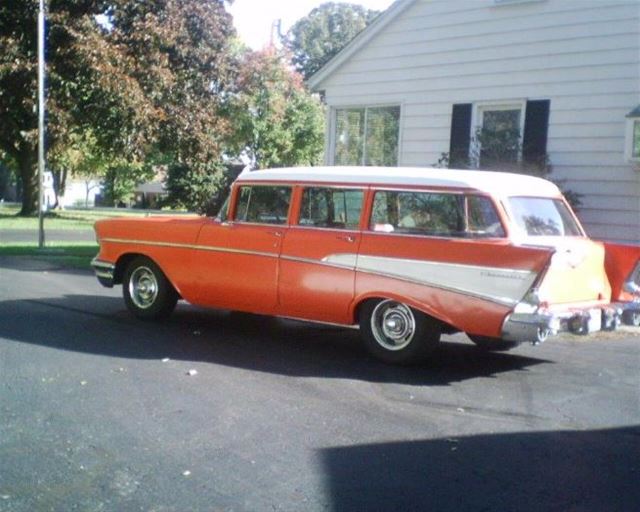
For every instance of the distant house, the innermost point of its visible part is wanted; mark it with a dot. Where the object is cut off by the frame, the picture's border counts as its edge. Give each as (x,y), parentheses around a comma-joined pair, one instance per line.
(427,74)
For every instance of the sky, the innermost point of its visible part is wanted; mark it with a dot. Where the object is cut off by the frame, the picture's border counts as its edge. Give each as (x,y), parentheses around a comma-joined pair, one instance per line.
(253,18)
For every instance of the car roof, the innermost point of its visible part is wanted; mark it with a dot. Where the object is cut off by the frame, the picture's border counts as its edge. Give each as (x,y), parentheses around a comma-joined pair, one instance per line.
(496,183)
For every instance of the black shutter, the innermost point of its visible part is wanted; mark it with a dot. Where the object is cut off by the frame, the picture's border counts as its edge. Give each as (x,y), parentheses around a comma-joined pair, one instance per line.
(460,135)
(536,128)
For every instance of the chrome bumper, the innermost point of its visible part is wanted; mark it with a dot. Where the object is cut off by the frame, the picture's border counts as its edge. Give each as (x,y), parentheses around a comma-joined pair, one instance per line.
(104,272)
(535,326)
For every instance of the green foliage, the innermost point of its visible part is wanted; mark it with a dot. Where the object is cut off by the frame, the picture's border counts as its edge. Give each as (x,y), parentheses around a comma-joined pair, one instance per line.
(160,81)
(277,122)
(316,38)
(121,178)
(155,75)
(201,188)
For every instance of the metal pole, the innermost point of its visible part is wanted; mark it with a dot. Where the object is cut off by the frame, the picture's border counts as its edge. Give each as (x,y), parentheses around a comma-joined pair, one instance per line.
(41,107)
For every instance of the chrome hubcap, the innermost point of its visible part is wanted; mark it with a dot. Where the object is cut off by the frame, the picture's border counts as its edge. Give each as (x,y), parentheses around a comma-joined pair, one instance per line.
(393,324)
(143,287)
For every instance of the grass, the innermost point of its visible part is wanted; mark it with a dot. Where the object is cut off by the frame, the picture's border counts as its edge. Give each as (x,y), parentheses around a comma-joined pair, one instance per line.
(62,219)
(76,255)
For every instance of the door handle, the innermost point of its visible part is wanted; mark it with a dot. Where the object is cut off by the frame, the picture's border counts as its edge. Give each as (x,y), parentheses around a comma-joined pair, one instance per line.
(275,233)
(347,238)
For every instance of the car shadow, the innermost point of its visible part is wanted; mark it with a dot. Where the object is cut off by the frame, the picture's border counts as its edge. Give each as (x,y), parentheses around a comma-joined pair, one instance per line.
(101,325)
(587,471)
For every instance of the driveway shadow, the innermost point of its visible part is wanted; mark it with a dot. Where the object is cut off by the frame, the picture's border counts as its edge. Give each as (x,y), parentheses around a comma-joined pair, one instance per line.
(587,471)
(101,325)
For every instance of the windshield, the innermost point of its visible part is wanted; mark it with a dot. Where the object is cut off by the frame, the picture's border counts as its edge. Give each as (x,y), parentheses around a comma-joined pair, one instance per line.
(543,216)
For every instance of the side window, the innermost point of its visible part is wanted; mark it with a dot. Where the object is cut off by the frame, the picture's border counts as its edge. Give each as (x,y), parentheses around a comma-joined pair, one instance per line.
(482,218)
(434,214)
(423,213)
(331,208)
(263,204)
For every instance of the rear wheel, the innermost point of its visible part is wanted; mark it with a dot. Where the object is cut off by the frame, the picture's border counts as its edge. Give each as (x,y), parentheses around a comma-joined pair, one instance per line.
(147,292)
(396,333)
(490,344)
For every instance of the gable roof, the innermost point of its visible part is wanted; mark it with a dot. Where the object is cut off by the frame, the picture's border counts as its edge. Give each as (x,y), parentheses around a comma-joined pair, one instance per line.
(358,42)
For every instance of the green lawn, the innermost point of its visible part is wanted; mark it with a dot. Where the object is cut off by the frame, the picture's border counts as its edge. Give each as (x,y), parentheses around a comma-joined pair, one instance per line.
(62,219)
(76,255)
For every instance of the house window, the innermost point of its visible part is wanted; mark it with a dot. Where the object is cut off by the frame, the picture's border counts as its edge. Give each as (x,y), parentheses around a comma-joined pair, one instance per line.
(635,145)
(367,136)
(498,134)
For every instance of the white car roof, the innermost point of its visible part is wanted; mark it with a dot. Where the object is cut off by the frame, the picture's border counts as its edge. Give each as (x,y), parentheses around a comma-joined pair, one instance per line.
(496,183)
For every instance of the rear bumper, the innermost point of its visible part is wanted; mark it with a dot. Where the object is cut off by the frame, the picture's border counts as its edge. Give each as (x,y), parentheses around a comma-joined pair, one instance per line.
(105,272)
(534,327)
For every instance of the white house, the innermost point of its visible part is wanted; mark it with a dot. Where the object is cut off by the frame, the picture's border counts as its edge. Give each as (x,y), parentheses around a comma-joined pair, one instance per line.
(426,74)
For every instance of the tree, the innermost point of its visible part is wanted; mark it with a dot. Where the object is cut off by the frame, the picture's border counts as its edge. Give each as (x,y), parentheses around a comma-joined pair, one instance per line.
(148,75)
(278,122)
(316,38)
(201,188)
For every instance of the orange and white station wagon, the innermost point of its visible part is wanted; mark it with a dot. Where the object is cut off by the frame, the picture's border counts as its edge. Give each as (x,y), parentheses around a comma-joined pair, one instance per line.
(406,254)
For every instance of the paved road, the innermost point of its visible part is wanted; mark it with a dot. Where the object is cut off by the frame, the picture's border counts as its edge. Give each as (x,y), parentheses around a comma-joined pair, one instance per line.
(57,235)
(283,416)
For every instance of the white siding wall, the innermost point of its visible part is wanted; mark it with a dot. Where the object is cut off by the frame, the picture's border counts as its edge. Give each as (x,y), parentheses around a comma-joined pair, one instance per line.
(583,55)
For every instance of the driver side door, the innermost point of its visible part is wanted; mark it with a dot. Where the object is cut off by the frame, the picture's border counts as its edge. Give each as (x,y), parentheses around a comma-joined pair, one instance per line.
(238,260)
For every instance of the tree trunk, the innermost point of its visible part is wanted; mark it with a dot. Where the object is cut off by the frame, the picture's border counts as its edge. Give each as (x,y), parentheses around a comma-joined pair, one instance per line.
(59,187)
(29,175)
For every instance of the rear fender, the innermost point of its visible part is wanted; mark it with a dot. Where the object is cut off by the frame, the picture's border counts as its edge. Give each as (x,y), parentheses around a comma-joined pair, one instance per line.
(470,286)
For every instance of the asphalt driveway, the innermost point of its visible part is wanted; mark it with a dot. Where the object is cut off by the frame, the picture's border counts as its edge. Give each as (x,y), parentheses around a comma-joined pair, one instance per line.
(213,410)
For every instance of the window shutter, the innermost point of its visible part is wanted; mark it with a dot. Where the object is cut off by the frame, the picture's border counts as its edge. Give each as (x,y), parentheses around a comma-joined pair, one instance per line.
(536,128)
(460,135)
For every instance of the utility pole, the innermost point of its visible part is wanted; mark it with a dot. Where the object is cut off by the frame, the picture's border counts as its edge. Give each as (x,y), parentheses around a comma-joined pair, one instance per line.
(41,107)
(276,33)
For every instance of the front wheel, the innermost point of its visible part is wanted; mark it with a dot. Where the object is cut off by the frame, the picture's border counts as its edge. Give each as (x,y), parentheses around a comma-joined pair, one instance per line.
(396,333)
(147,292)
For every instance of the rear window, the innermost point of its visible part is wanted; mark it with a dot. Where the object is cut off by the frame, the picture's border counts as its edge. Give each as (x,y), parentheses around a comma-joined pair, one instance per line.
(543,216)
(435,214)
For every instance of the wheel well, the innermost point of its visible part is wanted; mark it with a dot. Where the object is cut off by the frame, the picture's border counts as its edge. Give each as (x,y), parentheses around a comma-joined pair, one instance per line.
(360,305)
(446,327)
(123,263)
(121,266)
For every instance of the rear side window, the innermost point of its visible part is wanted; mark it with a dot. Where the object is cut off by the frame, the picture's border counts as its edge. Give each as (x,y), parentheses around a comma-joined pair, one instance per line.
(435,214)
(543,216)
(263,204)
(331,208)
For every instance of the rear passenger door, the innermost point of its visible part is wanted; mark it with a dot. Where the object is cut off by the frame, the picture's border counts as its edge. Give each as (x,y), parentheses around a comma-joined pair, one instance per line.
(318,257)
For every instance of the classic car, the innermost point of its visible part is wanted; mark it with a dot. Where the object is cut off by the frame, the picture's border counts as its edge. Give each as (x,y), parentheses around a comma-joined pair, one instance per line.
(405,254)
